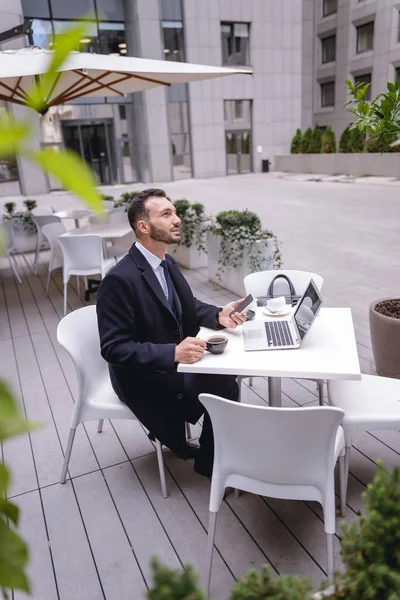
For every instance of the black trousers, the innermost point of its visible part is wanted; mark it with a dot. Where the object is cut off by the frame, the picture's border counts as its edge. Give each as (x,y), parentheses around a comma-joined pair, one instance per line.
(174,436)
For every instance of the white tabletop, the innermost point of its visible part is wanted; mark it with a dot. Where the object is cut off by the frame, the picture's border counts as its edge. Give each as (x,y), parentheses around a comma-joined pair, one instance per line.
(104,230)
(78,213)
(328,352)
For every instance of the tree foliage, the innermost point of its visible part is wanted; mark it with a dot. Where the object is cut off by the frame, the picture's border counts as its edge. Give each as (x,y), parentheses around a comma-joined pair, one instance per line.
(295,147)
(316,144)
(329,141)
(306,141)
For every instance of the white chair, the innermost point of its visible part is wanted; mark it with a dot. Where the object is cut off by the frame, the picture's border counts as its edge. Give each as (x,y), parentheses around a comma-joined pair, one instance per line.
(52,232)
(40,221)
(287,453)
(371,404)
(42,211)
(107,204)
(118,217)
(83,255)
(9,245)
(78,334)
(96,220)
(258,284)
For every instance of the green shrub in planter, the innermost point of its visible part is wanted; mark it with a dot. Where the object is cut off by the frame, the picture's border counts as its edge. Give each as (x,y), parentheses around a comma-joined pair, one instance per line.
(344,142)
(264,586)
(357,141)
(30,204)
(306,141)
(296,142)
(124,199)
(329,141)
(10,207)
(194,224)
(106,197)
(239,231)
(316,143)
(23,221)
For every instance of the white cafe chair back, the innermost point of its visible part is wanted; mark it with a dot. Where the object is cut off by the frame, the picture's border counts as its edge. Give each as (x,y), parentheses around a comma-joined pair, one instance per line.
(83,255)
(42,211)
(118,217)
(40,221)
(107,204)
(78,334)
(51,232)
(285,453)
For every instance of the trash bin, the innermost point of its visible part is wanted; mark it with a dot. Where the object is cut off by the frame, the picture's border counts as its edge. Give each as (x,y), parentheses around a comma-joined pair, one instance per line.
(265,165)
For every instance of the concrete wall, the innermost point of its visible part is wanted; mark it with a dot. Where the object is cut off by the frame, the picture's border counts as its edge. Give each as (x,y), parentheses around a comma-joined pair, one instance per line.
(275,89)
(357,165)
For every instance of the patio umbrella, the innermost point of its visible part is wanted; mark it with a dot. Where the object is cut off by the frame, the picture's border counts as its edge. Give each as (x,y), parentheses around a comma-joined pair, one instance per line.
(84,74)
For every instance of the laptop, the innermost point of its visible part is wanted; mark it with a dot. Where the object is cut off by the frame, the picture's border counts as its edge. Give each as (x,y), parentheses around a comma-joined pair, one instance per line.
(284,334)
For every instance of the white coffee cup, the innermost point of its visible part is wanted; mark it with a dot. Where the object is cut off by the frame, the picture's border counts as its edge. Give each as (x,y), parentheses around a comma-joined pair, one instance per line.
(277,304)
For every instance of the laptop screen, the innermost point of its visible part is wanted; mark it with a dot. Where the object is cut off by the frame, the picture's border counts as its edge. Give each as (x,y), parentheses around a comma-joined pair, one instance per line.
(307,309)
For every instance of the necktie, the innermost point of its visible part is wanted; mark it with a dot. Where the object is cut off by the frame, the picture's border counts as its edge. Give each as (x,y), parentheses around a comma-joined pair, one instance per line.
(169,284)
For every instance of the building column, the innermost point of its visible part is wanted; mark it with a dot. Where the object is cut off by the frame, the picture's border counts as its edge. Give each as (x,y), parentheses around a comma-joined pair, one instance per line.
(32,179)
(143,34)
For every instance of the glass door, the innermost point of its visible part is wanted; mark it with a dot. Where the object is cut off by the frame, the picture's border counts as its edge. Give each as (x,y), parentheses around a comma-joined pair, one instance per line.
(238,152)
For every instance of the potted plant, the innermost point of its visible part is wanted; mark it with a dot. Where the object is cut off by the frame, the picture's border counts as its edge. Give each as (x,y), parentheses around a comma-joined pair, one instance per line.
(191,252)
(370,552)
(124,200)
(25,231)
(30,204)
(238,246)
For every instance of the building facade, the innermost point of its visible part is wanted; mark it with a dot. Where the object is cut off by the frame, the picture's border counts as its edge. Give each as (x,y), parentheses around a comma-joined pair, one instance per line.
(206,129)
(357,40)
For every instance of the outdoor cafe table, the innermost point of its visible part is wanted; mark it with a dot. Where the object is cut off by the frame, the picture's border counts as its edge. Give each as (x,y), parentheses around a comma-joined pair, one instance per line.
(75,214)
(328,352)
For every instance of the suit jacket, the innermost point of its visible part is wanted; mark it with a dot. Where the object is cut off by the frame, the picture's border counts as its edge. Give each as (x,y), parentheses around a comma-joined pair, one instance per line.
(138,336)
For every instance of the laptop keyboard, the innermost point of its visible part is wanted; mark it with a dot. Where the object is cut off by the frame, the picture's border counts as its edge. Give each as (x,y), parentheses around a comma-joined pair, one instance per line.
(278,333)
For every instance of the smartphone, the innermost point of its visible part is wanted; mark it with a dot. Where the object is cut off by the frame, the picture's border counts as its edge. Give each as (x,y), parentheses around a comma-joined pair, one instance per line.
(240,307)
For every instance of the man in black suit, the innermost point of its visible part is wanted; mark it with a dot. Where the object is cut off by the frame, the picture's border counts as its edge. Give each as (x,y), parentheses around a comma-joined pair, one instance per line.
(148,322)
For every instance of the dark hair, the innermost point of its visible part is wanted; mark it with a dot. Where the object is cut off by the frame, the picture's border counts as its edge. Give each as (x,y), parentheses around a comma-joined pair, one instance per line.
(137,208)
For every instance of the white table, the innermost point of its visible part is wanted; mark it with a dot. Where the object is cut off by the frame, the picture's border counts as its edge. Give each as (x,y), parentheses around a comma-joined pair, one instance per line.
(76,214)
(328,352)
(104,230)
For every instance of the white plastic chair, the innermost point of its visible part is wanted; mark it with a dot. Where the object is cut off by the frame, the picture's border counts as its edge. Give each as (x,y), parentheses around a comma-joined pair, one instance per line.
(9,245)
(118,217)
(42,211)
(78,334)
(258,284)
(371,404)
(83,255)
(52,232)
(285,453)
(40,221)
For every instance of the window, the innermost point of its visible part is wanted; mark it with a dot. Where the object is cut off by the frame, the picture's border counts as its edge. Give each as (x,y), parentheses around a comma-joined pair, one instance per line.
(112,39)
(237,114)
(329,7)
(328,94)
(328,49)
(89,43)
(238,110)
(122,112)
(364,79)
(397,74)
(365,37)
(42,33)
(173,40)
(235,43)
(178,120)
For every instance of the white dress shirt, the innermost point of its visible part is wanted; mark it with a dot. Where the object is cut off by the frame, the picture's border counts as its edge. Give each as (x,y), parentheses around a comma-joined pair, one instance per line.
(155,263)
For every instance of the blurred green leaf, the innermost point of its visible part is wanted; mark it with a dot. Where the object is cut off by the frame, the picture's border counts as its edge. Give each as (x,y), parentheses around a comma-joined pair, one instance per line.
(12,133)
(11,423)
(72,172)
(4,478)
(13,559)
(40,95)
(9,510)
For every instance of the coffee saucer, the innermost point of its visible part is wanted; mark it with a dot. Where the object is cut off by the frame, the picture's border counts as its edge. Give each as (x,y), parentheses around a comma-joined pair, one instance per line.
(282,313)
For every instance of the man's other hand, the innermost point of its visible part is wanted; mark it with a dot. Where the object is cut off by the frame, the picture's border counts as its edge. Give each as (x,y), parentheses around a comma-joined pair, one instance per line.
(236,319)
(190,350)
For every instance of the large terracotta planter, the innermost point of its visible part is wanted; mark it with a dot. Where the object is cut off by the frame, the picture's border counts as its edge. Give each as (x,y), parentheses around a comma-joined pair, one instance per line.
(385,339)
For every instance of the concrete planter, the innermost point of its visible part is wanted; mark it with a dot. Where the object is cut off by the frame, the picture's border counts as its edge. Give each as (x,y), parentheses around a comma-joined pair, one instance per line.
(328,593)
(385,340)
(232,279)
(190,257)
(355,165)
(24,240)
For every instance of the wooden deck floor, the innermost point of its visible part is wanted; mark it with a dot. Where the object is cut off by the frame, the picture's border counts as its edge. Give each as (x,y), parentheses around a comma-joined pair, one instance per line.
(93,537)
